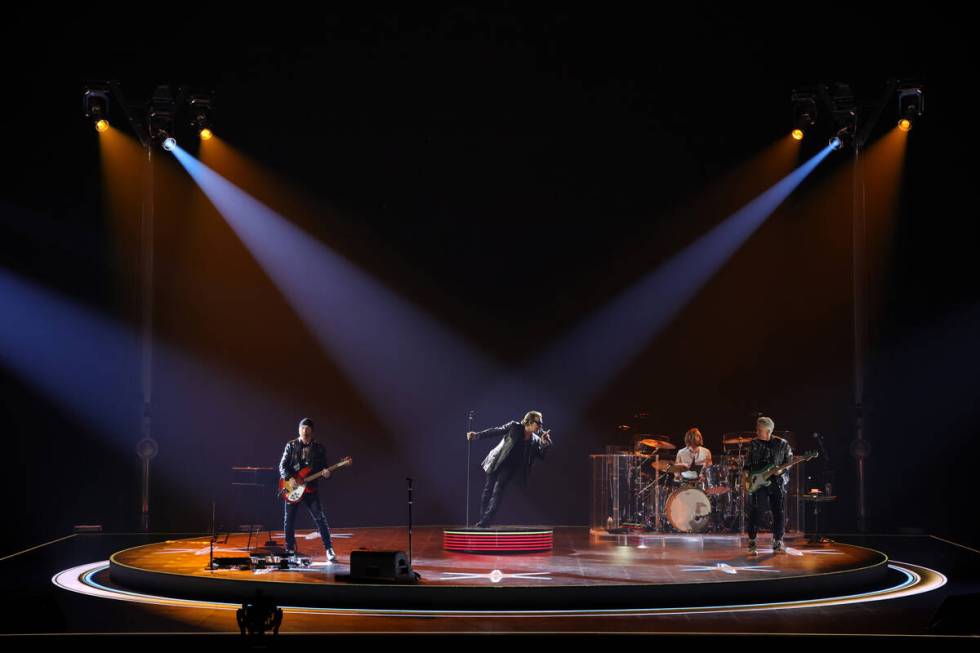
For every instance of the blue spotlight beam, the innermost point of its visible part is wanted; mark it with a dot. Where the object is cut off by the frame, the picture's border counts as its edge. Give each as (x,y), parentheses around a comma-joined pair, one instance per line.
(386,345)
(70,355)
(589,357)
(87,365)
(413,370)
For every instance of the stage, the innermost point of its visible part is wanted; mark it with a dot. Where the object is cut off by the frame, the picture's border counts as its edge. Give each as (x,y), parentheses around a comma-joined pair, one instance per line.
(584,572)
(112,583)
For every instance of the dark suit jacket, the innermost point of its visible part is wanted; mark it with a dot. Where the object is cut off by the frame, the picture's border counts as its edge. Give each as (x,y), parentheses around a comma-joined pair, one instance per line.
(292,463)
(510,433)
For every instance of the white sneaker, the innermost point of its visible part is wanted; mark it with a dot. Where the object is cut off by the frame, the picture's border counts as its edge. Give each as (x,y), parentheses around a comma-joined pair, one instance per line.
(331,556)
(777,546)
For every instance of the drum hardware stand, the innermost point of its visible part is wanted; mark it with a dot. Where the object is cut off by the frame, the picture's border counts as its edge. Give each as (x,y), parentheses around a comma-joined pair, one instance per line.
(740,457)
(656,491)
(642,491)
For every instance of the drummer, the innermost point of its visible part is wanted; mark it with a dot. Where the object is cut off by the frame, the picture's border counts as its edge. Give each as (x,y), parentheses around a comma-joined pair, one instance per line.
(695,456)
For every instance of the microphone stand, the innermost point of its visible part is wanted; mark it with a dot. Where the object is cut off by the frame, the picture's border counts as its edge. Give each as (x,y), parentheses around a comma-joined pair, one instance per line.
(469,446)
(409,479)
(214,536)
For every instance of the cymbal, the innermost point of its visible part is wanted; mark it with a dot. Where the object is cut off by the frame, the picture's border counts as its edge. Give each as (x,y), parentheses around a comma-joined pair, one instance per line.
(662,465)
(655,444)
(734,438)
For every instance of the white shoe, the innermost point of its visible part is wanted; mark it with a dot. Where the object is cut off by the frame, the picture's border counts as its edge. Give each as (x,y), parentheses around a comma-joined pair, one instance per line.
(331,556)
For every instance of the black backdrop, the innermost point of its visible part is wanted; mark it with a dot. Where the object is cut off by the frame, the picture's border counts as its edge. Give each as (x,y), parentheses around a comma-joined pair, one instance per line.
(445,141)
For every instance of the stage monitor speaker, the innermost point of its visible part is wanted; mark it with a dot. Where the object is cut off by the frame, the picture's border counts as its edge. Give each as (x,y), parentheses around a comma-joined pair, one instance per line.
(380,567)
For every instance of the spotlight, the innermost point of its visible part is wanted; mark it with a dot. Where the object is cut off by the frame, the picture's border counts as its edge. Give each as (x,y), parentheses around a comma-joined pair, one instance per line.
(844,110)
(163,107)
(804,112)
(200,111)
(96,105)
(843,107)
(911,104)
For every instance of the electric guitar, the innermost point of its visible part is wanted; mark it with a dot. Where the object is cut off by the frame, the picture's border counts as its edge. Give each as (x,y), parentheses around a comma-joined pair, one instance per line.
(761,478)
(292,490)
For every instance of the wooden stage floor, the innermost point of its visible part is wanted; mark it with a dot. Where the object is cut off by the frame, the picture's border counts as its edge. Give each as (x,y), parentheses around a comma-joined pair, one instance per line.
(577,559)
(582,572)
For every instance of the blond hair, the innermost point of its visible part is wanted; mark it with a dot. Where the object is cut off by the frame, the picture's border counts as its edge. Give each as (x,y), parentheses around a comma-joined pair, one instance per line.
(693,435)
(766,422)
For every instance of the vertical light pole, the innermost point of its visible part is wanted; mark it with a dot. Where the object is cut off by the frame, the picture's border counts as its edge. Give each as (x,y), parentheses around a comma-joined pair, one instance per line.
(147,443)
(148,122)
(861,447)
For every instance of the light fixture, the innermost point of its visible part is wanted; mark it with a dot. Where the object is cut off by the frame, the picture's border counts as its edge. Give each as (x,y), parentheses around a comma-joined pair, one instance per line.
(199,108)
(804,112)
(911,104)
(95,101)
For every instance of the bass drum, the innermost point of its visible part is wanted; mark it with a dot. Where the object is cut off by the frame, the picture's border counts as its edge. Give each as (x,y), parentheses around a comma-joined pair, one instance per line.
(688,510)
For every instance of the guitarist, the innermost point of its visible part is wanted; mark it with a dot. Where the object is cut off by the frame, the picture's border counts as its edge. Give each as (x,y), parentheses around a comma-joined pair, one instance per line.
(302,452)
(767,449)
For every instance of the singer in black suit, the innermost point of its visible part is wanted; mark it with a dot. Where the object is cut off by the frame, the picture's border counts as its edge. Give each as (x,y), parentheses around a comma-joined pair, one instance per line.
(521,443)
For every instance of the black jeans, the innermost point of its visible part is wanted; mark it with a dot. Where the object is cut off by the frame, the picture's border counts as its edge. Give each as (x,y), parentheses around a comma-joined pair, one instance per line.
(312,502)
(775,494)
(493,492)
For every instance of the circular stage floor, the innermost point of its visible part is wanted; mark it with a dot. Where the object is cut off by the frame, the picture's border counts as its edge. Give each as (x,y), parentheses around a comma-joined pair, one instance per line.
(583,572)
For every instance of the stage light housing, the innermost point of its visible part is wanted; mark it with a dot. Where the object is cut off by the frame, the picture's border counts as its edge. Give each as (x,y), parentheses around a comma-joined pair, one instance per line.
(199,108)
(804,113)
(911,104)
(95,102)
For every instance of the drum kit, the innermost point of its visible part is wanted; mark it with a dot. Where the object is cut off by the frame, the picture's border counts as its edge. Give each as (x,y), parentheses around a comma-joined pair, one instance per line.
(673,498)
